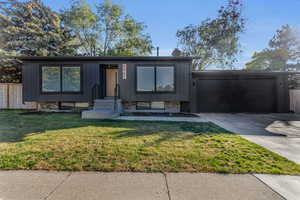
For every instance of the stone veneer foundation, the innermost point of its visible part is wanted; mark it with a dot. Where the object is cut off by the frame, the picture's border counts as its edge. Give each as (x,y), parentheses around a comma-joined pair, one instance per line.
(44,106)
(53,106)
(170,106)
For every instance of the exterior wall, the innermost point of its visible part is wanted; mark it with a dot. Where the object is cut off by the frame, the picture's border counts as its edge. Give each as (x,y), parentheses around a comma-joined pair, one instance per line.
(282,92)
(94,75)
(170,106)
(32,83)
(182,83)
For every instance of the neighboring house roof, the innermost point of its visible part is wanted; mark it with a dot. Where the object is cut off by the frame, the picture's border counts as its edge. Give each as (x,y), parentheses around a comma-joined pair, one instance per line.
(104,58)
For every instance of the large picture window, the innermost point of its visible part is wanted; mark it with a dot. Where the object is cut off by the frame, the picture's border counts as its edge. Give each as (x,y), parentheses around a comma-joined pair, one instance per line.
(165,79)
(71,79)
(145,79)
(63,78)
(51,79)
(155,79)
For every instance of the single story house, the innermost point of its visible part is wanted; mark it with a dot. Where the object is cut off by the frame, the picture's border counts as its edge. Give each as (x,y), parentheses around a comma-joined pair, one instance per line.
(160,84)
(139,83)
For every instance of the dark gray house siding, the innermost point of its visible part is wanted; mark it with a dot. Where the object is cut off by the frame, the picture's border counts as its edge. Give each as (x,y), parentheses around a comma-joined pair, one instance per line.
(182,80)
(239,91)
(32,83)
(209,91)
(92,75)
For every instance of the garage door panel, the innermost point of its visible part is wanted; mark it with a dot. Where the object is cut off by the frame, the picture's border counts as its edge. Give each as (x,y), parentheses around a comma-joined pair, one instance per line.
(212,96)
(236,95)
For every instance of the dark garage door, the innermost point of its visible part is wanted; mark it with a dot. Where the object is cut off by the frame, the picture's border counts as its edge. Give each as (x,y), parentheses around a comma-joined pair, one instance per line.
(236,95)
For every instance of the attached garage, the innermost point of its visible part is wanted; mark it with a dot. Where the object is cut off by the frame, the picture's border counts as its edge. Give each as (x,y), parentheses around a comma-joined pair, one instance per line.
(239,91)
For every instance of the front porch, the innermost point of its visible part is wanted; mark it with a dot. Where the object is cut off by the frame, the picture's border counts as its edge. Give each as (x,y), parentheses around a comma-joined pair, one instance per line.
(106,98)
(104,109)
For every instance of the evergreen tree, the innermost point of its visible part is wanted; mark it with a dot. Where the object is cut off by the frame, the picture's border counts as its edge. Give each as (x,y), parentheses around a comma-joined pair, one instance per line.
(33,29)
(30,29)
(10,71)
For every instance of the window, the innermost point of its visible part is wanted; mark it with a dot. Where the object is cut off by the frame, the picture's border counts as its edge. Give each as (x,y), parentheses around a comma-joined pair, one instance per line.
(165,79)
(51,79)
(157,105)
(71,79)
(74,106)
(61,79)
(145,79)
(143,106)
(154,105)
(155,79)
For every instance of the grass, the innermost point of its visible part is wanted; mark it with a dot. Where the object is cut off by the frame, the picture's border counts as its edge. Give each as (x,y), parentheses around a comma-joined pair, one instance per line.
(65,142)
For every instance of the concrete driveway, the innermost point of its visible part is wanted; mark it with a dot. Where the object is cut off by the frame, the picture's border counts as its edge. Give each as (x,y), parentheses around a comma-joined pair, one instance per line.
(279,133)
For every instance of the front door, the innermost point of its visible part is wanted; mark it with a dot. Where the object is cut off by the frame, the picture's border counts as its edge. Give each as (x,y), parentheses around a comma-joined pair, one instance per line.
(111,81)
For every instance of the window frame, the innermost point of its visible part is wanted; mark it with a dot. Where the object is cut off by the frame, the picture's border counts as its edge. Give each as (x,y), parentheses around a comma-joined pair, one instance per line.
(61,66)
(155,78)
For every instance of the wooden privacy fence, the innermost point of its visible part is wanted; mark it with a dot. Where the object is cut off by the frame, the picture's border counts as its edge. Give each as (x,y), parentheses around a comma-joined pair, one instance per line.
(11,97)
(295,100)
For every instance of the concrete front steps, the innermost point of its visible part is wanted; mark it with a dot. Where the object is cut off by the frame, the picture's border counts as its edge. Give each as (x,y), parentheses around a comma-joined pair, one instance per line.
(104,109)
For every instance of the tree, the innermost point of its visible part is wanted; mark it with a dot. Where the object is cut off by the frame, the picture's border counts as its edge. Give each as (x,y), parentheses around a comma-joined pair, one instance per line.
(176,52)
(30,29)
(283,53)
(33,29)
(214,41)
(132,42)
(10,71)
(84,22)
(108,30)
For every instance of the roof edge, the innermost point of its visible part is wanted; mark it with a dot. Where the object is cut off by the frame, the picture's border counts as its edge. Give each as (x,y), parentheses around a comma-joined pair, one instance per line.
(104,58)
(243,72)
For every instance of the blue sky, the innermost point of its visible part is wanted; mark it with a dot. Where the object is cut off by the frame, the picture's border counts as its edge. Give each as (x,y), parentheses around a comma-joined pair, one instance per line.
(165,17)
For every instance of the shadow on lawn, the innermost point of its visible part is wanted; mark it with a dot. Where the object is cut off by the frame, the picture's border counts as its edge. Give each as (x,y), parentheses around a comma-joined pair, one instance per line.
(14,127)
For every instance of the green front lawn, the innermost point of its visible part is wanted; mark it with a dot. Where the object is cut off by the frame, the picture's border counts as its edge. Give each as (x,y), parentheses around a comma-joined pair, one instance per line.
(65,142)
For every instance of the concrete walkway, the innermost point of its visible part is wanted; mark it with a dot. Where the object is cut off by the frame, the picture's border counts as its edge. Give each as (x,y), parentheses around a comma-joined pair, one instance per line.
(36,185)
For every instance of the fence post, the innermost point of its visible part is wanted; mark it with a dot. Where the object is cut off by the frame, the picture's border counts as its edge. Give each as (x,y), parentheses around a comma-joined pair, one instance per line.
(7,96)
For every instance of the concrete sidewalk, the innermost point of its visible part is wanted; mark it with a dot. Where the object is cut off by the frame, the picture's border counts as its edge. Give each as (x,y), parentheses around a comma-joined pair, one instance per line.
(33,185)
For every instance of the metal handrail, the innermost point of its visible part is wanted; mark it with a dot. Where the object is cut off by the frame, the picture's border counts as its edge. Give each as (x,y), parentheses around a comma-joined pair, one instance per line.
(116,92)
(117,95)
(95,92)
